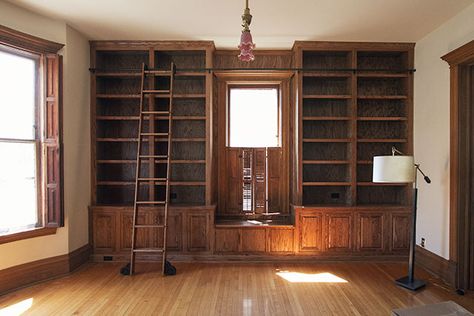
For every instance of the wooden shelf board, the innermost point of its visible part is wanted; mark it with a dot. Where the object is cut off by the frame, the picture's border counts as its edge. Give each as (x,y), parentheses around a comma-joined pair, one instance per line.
(326,183)
(182,95)
(372,184)
(187,183)
(383,97)
(382,140)
(326,162)
(382,75)
(326,118)
(332,74)
(112,161)
(118,96)
(326,96)
(326,140)
(109,139)
(118,74)
(117,118)
(365,162)
(190,118)
(382,118)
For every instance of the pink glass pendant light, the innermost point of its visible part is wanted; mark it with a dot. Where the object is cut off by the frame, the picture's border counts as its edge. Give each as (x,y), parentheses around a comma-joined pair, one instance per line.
(246,43)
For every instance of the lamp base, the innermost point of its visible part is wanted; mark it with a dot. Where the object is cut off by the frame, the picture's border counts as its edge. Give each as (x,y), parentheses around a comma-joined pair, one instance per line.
(413,285)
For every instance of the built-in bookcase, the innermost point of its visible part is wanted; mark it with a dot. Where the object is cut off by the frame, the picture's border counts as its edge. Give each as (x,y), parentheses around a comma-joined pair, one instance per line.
(355,102)
(115,102)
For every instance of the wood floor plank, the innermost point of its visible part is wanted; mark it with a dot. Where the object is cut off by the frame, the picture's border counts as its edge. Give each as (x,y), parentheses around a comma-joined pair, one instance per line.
(233,289)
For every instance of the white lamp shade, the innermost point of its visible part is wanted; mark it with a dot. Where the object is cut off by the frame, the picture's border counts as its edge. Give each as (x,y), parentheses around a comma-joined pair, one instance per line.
(394,169)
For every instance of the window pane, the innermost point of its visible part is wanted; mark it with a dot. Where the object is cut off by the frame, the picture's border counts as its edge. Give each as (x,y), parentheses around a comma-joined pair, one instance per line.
(17,96)
(253,118)
(18,206)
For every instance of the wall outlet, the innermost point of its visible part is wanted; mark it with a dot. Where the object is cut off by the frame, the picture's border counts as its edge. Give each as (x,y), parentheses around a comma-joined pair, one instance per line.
(422,244)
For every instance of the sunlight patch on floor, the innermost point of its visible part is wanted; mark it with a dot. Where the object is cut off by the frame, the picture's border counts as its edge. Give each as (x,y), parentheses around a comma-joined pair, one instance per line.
(18,308)
(299,277)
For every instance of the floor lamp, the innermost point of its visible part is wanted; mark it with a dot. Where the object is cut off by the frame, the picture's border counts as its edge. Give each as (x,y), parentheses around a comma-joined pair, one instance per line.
(402,169)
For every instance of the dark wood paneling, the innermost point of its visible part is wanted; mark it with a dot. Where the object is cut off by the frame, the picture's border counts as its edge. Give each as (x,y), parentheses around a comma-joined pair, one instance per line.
(227,240)
(234,181)
(339,232)
(253,240)
(310,232)
(439,266)
(275,192)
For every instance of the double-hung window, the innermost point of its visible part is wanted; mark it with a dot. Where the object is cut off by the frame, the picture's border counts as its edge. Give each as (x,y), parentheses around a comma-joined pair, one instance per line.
(30,138)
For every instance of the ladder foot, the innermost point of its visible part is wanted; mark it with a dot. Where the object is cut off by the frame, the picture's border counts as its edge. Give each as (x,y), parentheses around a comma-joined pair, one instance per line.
(169,268)
(125,270)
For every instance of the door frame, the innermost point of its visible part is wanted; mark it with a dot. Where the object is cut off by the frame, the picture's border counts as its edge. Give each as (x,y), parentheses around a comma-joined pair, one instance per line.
(460,61)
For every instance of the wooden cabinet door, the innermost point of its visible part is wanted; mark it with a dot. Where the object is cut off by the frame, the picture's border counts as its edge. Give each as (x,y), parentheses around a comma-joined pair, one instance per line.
(143,235)
(234,181)
(104,231)
(339,232)
(371,232)
(281,239)
(198,230)
(174,240)
(401,223)
(310,232)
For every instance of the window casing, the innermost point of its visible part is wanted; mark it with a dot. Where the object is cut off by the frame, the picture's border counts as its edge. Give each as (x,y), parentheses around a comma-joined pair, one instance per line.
(32,125)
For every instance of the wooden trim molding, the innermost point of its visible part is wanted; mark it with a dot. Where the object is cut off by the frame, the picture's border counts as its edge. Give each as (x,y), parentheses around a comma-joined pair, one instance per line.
(27,42)
(42,270)
(459,61)
(436,265)
(43,231)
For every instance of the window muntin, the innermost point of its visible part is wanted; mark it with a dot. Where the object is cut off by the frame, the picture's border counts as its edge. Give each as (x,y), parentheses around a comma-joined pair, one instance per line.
(254,117)
(19,142)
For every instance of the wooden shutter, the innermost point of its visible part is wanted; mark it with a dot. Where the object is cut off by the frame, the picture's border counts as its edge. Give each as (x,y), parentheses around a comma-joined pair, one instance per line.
(275,179)
(51,144)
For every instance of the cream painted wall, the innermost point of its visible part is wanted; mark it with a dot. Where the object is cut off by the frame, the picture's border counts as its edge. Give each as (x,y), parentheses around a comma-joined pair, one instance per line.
(431,126)
(76,138)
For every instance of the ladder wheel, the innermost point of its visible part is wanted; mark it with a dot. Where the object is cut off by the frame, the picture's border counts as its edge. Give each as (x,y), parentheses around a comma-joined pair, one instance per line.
(125,270)
(169,268)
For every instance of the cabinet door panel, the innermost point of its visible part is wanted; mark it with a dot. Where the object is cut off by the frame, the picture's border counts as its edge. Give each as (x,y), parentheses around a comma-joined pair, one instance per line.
(104,227)
(227,240)
(311,228)
(253,240)
(198,231)
(175,227)
(400,232)
(143,234)
(281,240)
(371,232)
(339,228)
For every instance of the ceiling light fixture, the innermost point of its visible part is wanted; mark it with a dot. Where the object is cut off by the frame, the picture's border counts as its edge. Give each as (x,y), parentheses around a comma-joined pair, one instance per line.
(246,44)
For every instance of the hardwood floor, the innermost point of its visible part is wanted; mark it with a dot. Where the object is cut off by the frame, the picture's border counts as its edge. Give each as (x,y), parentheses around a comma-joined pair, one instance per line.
(353,288)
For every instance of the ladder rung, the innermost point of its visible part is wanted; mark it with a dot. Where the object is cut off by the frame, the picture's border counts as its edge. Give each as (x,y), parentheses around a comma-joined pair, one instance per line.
(153,156)
(148,250)
(149,226)
(155,91)
(151,202)
(151,179)
(154,134)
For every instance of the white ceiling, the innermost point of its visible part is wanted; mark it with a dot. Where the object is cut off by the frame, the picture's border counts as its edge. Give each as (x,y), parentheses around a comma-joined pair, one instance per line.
(276,23)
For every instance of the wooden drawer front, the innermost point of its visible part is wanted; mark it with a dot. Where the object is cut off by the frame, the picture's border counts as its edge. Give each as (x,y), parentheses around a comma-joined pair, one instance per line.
(311,232)
(371,233)
(281,240)
(227,240)
(339,228)
(104,227)
(253,240)
(198,231)
(401,223)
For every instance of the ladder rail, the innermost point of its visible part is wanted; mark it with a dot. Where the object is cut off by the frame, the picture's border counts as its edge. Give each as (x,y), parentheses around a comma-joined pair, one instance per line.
(137,173)
(168,168)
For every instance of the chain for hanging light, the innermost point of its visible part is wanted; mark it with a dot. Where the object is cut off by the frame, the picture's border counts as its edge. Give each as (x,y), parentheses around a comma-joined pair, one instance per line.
(246,43)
